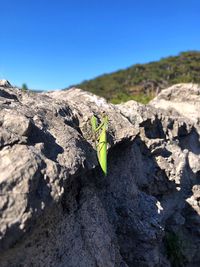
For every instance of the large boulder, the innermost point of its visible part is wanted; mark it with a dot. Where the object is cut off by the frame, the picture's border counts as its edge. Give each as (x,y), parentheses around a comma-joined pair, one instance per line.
(183,97)
(58,209)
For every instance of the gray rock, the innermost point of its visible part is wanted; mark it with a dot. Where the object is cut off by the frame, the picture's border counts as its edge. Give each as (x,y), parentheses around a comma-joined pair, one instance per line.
(183,98)
(5,83)
(57,208)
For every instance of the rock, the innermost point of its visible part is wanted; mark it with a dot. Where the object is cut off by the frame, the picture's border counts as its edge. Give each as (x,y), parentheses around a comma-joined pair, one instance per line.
(5,83)
(183,98)
(57,208)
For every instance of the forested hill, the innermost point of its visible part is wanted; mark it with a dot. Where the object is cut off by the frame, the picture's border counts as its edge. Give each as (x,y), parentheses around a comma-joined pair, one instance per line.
(142,81)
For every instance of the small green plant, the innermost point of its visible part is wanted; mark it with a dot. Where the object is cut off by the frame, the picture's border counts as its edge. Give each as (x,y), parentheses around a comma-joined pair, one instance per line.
(100,138)
(24,87)
(173,246)
(140,97)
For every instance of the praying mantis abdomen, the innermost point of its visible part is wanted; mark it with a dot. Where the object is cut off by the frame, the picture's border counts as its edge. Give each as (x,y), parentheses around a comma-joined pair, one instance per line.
(102,151)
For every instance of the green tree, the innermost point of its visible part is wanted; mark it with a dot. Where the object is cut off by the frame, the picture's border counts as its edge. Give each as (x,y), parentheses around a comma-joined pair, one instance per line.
(24,87)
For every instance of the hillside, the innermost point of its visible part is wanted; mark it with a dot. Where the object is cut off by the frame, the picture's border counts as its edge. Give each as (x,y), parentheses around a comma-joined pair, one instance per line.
(142,82)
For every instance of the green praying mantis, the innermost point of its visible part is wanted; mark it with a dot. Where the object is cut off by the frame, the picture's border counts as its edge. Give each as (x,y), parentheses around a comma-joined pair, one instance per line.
(100,138)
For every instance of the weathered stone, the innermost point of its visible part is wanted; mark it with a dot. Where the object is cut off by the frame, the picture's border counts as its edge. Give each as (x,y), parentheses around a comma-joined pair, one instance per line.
(5,83)
(183,98)
(57,208)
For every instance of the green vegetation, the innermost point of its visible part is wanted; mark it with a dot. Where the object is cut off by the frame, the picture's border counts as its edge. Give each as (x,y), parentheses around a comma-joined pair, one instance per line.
(174,247)
(124,97)
(24,87)
(141,82)
(100,138)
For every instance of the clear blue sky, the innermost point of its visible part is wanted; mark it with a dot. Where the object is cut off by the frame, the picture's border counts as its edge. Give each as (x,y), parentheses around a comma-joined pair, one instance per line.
(51,44)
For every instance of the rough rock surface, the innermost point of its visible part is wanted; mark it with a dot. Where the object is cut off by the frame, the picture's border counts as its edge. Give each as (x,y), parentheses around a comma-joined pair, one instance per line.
(56,207)
(183,98)
(5,83)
